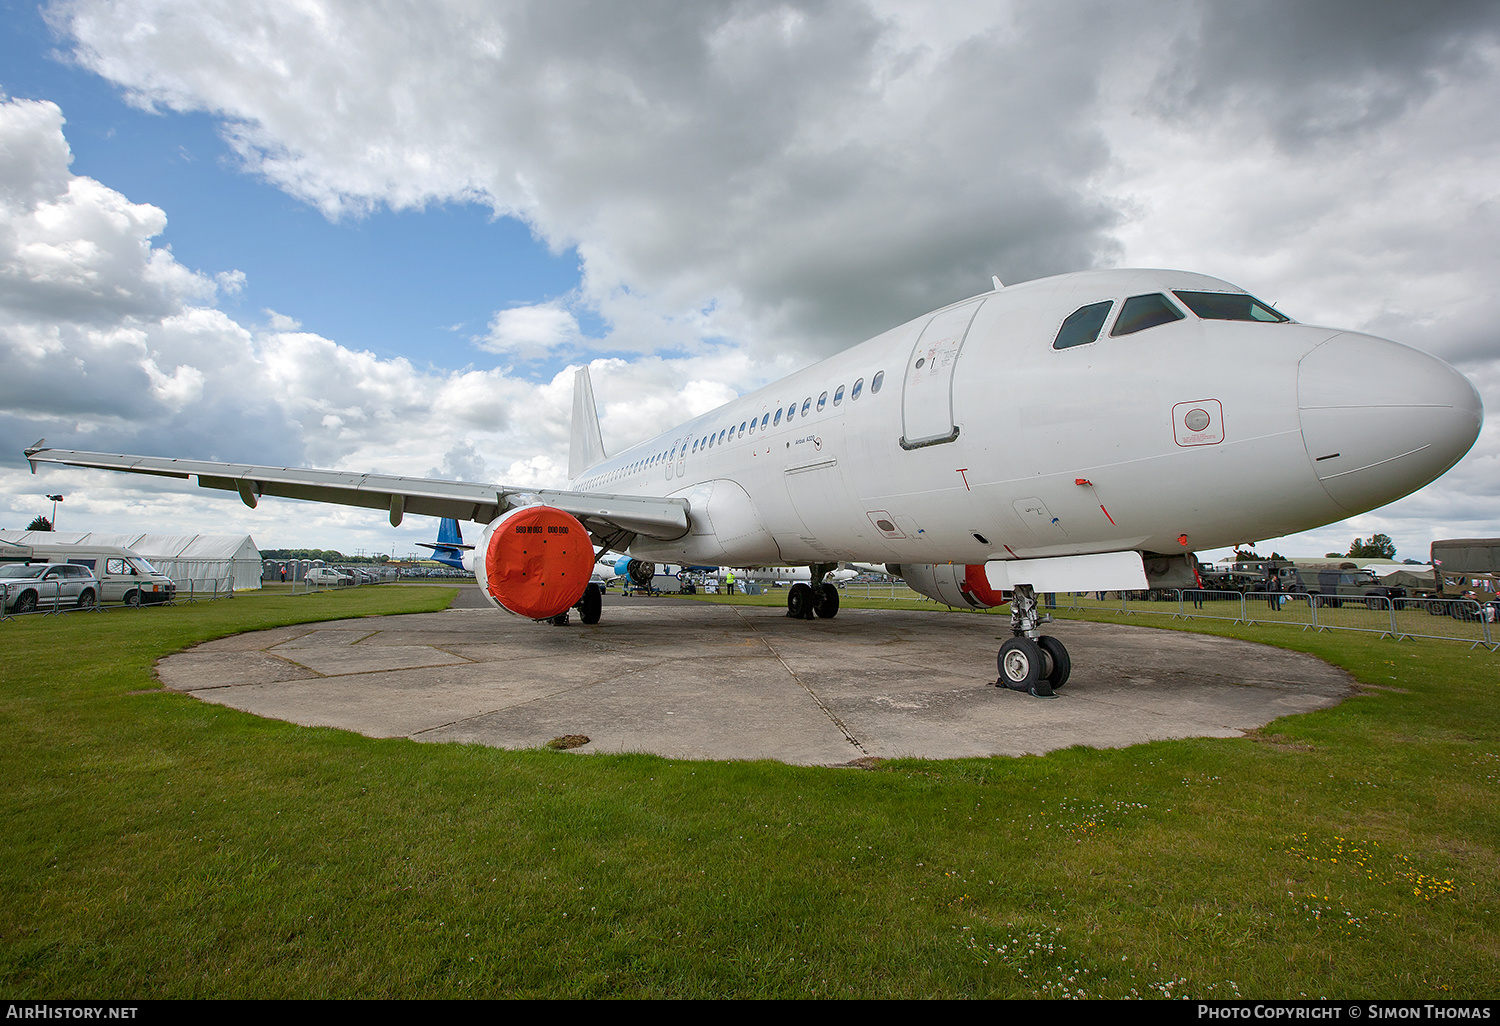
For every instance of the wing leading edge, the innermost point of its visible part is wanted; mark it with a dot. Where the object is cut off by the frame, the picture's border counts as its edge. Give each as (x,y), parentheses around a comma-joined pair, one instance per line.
(659,518)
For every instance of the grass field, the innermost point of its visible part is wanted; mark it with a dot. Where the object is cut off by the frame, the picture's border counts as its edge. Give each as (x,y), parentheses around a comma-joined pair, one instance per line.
(155,846)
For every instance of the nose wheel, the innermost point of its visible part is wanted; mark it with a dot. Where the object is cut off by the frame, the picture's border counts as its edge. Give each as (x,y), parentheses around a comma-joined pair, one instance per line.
(1034,663)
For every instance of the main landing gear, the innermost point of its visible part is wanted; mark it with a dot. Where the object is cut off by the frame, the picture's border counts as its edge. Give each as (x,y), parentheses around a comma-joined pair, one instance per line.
(590,607)
(806,601)
(1031,662)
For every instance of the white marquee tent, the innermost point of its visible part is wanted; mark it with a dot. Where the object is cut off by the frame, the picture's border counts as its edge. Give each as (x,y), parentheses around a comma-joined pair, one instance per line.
(201,559)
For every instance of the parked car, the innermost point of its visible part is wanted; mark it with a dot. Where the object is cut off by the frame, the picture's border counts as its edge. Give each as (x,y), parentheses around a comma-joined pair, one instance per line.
(123,575)
(26,587)
(326,575)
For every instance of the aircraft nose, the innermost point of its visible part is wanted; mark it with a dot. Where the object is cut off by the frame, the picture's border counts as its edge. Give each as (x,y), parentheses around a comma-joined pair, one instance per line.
(1380,419)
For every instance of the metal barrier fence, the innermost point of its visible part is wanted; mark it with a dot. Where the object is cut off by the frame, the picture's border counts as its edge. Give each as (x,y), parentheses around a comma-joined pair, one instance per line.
(892,591)
(307,587)
(14,593)
(204,590)
(1446,619)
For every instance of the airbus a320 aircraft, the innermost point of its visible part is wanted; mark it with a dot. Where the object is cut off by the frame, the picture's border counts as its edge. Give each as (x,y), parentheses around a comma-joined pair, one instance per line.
(1083,432)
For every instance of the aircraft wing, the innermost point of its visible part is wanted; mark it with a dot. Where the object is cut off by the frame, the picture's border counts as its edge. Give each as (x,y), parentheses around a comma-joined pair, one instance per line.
(659,518)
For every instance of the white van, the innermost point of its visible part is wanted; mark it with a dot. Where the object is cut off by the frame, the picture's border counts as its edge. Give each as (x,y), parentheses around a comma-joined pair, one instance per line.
(123,575)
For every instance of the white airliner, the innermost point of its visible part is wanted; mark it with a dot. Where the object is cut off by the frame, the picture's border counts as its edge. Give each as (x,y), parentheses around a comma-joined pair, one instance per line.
(1077,433)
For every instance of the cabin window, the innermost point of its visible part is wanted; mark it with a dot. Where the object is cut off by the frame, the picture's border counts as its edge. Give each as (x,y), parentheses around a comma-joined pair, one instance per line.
(791,411)
(1142,312)
(822,401)
(752,426)
(877,381)
(722,433)
(767,419)
(859,386)
(695,445)
(1082,325)
(838,396)
(742,429)
(778,416)
(806,405)
(1229,306)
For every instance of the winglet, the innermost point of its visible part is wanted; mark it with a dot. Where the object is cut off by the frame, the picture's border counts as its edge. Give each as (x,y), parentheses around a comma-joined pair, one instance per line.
(588,443)
(35,448)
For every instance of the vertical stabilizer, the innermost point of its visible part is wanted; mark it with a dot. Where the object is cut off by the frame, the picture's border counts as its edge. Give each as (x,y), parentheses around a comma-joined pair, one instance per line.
(588,443)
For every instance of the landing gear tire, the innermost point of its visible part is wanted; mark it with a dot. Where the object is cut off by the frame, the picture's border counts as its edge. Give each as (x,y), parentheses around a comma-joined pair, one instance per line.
(1020,663)
(826,602)
(591,606)
(1059,666)
(799,602)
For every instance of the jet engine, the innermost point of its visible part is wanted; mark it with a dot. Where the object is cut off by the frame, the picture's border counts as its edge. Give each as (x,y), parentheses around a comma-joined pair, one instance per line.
(534,561)
(638,570)
(953,584)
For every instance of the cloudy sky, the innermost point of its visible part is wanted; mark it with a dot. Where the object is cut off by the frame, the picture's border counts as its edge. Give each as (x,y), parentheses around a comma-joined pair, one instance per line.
(374,237)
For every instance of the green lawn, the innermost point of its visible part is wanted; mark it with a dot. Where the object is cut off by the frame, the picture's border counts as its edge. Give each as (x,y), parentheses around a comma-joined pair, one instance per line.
(155,846)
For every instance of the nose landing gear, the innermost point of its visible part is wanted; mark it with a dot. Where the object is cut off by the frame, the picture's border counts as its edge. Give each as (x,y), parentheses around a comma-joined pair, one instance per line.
(1034,663)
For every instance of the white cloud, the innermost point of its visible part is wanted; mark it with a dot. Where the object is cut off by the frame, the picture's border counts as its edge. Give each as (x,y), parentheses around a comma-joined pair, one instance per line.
(749,186)
(156,373)
(530,332)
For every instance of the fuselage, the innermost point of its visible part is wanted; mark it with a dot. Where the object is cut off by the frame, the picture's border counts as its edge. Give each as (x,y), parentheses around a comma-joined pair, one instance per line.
(994,429)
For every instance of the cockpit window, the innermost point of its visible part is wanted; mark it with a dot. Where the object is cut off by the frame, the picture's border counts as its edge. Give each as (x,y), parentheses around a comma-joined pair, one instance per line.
(1228,306)
(1142,312)
(1082,325)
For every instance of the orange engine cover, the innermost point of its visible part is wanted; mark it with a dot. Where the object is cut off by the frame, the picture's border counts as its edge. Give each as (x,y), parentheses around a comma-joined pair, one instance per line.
(535,561)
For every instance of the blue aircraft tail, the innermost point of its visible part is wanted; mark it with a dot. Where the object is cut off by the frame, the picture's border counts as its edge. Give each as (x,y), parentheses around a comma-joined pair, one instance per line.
(450,545)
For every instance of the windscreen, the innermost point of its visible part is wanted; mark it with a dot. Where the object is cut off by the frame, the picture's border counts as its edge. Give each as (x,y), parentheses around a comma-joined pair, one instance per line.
(1229,306)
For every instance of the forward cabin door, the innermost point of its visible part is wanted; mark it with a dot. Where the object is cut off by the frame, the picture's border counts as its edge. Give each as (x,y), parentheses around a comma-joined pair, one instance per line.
(927,386)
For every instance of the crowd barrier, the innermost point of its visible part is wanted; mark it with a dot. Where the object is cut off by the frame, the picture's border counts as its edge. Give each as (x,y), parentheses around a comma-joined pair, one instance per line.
(202,590)
(1446,619)
(205,589)
(47,604)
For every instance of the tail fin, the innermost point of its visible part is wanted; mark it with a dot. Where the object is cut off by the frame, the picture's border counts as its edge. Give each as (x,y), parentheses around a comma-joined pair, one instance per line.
(588,443)
(450,547)
(449,533)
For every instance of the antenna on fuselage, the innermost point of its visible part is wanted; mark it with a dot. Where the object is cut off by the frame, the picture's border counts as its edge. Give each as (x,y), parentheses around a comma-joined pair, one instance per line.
(998,283)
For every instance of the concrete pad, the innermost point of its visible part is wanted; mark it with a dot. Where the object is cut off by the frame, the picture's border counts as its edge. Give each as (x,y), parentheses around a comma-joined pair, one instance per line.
(688,680)
(197,669)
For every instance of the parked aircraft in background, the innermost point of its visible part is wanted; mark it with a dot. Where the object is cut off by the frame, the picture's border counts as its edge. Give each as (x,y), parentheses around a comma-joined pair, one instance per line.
(450,548)
(1077,433)
(792,574)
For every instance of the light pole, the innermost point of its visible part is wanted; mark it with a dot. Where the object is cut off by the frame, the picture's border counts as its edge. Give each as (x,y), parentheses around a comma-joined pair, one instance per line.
(55,500)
